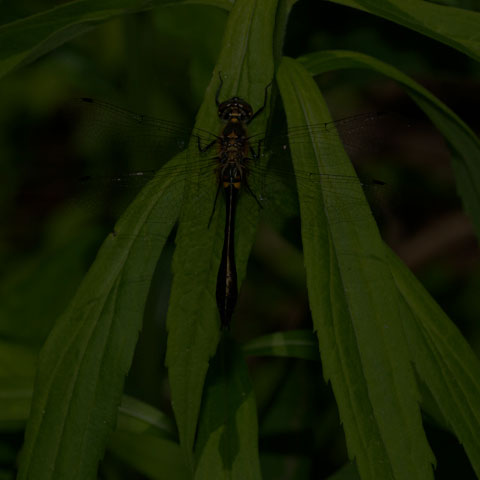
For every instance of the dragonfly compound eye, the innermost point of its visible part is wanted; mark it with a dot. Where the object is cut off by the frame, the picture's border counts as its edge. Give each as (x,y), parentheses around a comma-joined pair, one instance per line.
(235,108)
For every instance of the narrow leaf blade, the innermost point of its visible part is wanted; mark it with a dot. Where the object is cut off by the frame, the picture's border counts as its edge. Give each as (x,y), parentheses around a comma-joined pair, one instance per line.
(228,434)
(85,359)
(443,359)
(462,141)
(456,27)
(294,343)
(354,307)
(25,40)
(246,68)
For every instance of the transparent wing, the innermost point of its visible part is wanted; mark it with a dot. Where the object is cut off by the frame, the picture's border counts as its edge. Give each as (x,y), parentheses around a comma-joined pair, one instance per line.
(112,140)
(276,190)
(145,131)
(360,134)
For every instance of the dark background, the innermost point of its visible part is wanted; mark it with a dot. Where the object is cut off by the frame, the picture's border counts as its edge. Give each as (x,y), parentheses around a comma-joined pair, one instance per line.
(159,63)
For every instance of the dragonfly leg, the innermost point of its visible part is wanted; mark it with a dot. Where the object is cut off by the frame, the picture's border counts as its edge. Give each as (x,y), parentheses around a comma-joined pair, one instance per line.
(217,95)
(262,108)
(214,204)
(206,147)
(256,154)
(250,191)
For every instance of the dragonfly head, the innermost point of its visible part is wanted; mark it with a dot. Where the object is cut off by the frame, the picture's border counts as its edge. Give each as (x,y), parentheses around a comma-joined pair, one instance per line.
(235,109)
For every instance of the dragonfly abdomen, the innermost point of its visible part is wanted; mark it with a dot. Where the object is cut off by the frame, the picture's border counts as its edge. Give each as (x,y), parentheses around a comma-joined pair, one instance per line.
(227,288)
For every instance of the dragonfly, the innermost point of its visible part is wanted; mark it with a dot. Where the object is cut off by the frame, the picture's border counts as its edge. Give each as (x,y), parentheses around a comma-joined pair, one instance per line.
(231,158)
(234,155)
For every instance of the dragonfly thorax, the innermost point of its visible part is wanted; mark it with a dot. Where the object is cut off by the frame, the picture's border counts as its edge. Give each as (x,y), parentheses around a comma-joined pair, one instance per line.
(233,143)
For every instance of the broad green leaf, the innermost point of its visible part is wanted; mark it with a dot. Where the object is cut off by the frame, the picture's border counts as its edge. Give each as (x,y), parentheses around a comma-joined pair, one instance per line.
(86,357)
(157,458)
(294,343)
(430,408)
(224,4)
(29,305)
(455,27)
(354,303)
(17,368)
(275,465)
(227,445)
(348,472)
(15,399)
(145,438)
(16,360)
(17,371)
(25,40)
(290,407)
(246,66)
(463,143)
(443,359)
(278,254)
(135,416)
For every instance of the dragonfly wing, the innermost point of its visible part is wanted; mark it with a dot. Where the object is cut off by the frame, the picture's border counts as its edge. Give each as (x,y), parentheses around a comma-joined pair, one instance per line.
(277,187)
(361,135)
(151,139)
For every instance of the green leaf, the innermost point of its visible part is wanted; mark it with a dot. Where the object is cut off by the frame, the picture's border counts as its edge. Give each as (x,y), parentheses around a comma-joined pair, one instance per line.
(223,4)
(85,359)
(25,40)
(354,304)
(145,438)
(294,343)
(275,466)
(17,368)
(348,472)
(135,416)
(290,408)
(227,445)
(443,359)
(455,27)
(15,399)
(29,305)
(463,143)
(157,458)
(193,325)
(16,361)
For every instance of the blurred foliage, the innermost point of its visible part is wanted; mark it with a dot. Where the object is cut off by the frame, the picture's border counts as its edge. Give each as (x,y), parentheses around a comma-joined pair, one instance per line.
(159,63)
